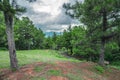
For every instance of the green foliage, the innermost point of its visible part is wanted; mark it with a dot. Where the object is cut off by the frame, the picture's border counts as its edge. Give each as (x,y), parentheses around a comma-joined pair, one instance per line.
(73,43)
(11,10)
(38,68)
(27,36)
(63,50)
(101,19)
(112,52)
(116,67)
(54,72)
(100,69)
(48,43)
(74,77)
(3,48)
(38,78)
(117,63)
(2,33)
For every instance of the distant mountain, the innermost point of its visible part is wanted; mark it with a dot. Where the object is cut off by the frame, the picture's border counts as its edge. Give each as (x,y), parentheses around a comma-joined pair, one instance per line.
(47,34)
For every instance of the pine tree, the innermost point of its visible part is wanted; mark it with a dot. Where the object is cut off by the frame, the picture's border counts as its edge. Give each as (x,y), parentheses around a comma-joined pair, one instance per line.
(101,18)
(9,10)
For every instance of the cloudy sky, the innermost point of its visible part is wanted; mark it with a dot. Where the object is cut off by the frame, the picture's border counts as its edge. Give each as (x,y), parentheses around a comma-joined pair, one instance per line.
(48,14)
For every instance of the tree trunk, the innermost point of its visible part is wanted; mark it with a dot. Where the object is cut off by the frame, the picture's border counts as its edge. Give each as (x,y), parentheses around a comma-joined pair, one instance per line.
(102,51)
(10,39)
(28,46)
(71,50)
(103,40)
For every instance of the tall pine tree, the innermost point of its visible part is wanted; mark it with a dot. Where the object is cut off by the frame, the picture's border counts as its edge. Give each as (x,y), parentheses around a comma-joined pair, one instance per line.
(101,18)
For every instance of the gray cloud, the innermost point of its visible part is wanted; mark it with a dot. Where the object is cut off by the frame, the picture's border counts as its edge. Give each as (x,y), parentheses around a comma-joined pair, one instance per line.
(48,15)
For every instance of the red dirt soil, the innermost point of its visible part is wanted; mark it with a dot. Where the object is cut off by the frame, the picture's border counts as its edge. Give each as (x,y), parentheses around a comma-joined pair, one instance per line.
(86,72)
(58,78)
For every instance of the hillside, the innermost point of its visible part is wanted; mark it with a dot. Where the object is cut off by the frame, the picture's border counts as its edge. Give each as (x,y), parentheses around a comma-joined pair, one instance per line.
(56,67)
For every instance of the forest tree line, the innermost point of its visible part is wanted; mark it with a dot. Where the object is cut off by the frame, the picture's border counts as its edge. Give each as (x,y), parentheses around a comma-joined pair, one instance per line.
(72,42)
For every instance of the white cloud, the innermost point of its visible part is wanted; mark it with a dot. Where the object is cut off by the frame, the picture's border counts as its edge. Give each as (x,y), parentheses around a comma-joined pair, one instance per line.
(48,14)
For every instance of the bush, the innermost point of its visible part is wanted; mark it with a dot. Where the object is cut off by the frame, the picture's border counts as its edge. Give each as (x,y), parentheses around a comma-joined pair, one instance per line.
(3,48)
(100,69)
(63,51)
(117,63)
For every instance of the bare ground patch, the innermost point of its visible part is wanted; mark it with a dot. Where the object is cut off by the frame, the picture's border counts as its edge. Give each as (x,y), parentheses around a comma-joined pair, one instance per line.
(59,71)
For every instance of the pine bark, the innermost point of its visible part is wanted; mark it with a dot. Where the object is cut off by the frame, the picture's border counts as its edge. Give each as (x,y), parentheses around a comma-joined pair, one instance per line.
(102,52)
(103,40)
(11,43)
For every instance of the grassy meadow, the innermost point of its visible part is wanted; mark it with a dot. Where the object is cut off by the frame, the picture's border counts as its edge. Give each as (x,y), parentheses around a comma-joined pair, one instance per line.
(31,56)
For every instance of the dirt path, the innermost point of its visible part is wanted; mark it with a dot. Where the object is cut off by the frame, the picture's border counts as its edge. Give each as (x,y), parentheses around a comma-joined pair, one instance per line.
(59,71)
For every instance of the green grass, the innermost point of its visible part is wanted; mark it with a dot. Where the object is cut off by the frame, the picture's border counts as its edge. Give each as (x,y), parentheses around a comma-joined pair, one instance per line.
(100,69)
(4,59)
(30,56)
(115,66)
(74,77)
(54,72)
(38,78)
(38,68)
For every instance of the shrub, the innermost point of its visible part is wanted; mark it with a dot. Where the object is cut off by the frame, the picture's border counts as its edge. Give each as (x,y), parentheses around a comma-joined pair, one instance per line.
(3,48)
(100,69)
(116,63)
